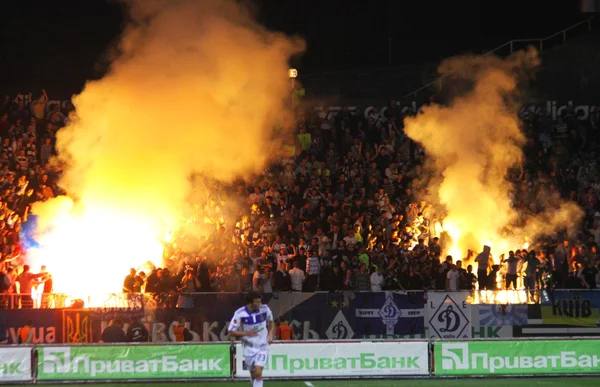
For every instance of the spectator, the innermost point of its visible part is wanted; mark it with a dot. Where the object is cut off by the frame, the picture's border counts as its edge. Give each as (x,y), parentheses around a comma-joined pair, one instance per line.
(282,279)
(284,331)
(26,281)
(189,283)
(129,281)
(181,332)
(511,271)
(137,332)
(297,277)
(588,275)
(313,270)
(114,333)
(377,280)
(26,333)
(362,280)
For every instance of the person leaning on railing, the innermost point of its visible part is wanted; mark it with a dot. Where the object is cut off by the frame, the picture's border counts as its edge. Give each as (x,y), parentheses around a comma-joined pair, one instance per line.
(7,288)
(129,281)
(26,281)
(189,282)
(5,280)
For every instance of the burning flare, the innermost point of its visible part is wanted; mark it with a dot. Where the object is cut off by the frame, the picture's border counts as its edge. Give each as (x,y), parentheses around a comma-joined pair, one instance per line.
(196,88)
(472,143)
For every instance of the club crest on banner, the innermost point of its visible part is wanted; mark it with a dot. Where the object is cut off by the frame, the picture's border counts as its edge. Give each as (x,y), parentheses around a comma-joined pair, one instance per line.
(339,329)
(449,316)
(396,309)
(390,313)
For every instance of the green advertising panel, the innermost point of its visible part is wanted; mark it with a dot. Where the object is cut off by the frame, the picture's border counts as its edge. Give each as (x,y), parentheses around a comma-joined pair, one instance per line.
(517,357)
(134,362)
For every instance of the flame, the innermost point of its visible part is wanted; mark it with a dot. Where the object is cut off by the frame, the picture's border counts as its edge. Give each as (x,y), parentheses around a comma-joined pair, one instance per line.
(501,297)
(454,233)
(473,143)
(458,244)
(141,134)
(95,245)
(168,237)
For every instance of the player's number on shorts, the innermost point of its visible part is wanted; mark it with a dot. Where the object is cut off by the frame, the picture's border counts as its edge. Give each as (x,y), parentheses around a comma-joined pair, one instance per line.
(261,357)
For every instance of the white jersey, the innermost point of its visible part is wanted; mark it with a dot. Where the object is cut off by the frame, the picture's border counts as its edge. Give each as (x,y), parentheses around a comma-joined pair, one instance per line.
(244,320)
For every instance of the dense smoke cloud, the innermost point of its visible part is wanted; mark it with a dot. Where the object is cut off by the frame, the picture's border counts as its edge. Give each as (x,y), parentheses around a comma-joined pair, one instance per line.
(472,143)
(195,87)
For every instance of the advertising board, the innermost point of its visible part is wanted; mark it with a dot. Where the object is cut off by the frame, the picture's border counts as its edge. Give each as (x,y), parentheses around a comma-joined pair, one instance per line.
(134,362)
(543,357)
(15,364)
(345,359)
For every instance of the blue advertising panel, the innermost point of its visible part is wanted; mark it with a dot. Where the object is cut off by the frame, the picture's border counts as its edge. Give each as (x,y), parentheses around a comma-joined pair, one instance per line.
(333,316)
(46,324)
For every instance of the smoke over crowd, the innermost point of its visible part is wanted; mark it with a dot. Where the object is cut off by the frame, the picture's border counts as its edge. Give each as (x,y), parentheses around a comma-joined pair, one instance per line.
(193,87)
(197,88)
(472,143)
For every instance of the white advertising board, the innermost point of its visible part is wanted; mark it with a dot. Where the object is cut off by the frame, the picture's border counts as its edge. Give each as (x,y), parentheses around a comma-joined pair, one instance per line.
(329,359)
(15,364)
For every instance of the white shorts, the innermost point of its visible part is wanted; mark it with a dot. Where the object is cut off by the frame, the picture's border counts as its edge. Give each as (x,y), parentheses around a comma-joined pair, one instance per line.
(255,357)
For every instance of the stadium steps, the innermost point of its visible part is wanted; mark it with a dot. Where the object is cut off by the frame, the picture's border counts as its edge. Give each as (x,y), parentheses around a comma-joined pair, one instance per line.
(565,56)
(572,70)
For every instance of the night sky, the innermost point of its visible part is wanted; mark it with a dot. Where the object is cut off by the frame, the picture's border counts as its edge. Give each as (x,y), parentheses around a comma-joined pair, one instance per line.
(56,44)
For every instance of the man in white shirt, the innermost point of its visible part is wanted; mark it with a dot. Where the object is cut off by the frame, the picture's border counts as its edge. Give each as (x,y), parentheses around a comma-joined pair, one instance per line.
(256,197)
(258,279)
(283,257)
(377,280)
(278,244)
(297,277)
(313,269)
(452,279)
(254,325)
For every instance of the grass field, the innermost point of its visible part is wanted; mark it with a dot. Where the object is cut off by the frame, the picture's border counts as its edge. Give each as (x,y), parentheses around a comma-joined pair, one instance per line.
(547,382)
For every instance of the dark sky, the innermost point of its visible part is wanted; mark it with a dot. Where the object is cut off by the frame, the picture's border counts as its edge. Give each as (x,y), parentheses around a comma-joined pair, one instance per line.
(56,43)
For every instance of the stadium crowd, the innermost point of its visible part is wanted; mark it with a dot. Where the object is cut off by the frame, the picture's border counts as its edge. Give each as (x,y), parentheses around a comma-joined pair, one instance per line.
(345,214)
(342,212)
(28,126)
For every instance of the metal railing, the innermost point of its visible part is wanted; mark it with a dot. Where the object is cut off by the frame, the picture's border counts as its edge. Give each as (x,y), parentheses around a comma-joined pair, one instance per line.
(513,46)
(62,300)
(137,301)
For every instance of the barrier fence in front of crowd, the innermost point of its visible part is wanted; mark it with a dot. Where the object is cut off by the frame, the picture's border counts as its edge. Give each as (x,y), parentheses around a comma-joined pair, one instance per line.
(185,300)
(306,360)
(64,300)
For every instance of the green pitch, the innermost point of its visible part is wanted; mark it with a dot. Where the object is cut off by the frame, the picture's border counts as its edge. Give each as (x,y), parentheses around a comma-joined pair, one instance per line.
(553,382)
